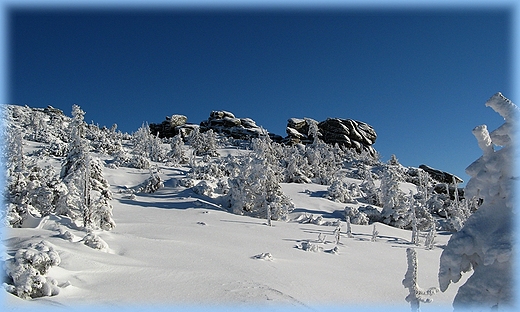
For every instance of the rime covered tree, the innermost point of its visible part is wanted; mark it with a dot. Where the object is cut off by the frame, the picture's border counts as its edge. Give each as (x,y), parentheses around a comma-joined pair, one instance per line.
(148,145)
(203,143)
(485,243)
(176,153)
(87,196)
(394,210)
(256,190)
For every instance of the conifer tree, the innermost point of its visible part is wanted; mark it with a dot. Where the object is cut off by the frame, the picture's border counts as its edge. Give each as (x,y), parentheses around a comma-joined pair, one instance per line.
(83,177)
(394,211)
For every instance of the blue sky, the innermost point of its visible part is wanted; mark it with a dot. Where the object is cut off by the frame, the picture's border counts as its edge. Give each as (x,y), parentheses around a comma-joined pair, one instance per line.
(420,77)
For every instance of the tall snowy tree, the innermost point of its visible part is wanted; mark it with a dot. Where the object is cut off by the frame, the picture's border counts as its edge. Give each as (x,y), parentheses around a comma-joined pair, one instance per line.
(485,243)
(82,176)
(394,211)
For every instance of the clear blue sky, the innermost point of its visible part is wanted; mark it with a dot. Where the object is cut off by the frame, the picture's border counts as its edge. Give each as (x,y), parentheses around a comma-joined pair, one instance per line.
(419,77)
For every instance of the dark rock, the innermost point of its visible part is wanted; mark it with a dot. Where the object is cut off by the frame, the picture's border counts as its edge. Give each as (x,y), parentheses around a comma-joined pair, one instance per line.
(169,127)
(345,132)
(441,176)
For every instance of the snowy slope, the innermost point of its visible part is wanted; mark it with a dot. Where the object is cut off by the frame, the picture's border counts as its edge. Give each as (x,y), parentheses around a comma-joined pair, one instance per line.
(177,248)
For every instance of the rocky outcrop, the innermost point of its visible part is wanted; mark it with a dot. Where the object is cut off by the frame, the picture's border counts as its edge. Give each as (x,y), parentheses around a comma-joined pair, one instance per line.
(172,126)
(441,176)
(345,132)
(226,123)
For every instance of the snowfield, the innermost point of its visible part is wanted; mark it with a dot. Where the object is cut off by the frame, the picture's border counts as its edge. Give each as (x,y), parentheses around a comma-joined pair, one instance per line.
(175,248)
(96,218)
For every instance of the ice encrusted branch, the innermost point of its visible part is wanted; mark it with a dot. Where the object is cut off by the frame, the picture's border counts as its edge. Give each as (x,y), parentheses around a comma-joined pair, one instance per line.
(416,295)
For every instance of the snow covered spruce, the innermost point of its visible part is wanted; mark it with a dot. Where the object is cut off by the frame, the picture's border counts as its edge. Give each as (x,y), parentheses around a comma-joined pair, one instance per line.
(485,242)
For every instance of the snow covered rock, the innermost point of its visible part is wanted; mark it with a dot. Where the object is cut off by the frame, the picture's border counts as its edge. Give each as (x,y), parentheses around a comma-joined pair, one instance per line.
(226,123)
(441,176)
(485,243)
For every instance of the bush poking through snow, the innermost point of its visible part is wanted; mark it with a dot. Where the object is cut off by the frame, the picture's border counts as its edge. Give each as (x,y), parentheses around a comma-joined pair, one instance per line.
(95,242)
(152,184)
(27,270)
(264,256)
(339,191)
(203,188)
(374,234)
(356,216)
(308,246)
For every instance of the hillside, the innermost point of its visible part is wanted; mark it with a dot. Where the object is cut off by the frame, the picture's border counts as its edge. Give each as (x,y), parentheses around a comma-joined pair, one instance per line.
(191,227)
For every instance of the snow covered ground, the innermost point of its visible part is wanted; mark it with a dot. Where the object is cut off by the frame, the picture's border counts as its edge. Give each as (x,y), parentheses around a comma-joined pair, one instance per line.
(176,249)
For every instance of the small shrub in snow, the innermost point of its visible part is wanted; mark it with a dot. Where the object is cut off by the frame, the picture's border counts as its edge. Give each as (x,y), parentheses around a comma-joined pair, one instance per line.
(27,270)
(203,188)
(374,234)
(349,228)
(264,256)
(186,182)
(152,184)
(339,191)
(308,246)
(95,242)
(355,216)
(315,219)
(139,162)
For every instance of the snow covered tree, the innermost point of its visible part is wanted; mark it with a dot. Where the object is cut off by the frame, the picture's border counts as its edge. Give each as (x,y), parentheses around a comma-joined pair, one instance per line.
(415,231)
(314,131)
(256,190)
(203,143)
(176,153)
(296,166)
(322,161)
(372,194)
(430,237)
(485,243)
(337,233)
(148,145)
(349,227)
(87,194)
(394,209)
(339,191)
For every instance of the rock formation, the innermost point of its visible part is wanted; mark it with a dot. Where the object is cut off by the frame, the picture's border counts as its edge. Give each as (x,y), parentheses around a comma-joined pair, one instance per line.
(226,123)
(345,132)
(441,176)
(172,126)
